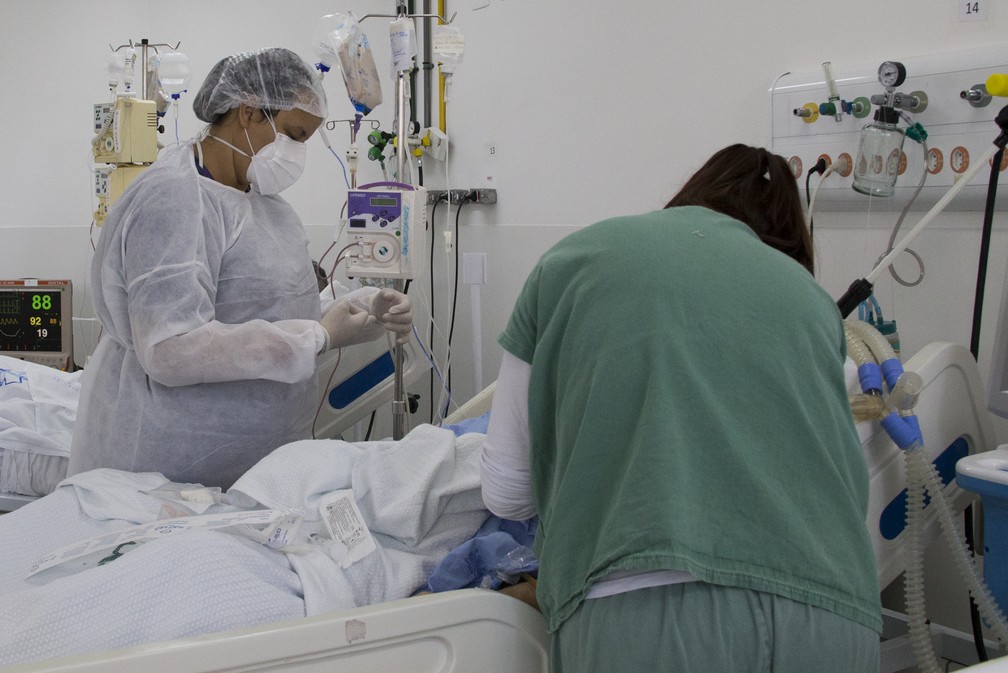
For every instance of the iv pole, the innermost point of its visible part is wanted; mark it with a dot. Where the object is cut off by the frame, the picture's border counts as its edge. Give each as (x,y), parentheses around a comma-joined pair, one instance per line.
(398,392)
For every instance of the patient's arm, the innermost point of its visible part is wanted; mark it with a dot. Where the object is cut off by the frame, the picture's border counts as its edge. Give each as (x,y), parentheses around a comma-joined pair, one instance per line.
(504,468)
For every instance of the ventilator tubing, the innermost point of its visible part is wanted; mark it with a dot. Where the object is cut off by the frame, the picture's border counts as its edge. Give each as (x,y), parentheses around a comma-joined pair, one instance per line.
(880,347)
(864,342)
(921,474)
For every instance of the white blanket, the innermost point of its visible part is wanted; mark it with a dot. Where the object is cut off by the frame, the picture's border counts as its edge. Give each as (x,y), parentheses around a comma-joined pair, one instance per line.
(38,406)
(419,497)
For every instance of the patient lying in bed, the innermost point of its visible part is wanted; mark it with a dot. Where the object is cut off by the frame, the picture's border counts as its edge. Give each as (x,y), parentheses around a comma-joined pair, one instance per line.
(419,498)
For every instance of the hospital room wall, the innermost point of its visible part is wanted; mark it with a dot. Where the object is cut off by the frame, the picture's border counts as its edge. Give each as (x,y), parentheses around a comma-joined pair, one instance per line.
(589,113)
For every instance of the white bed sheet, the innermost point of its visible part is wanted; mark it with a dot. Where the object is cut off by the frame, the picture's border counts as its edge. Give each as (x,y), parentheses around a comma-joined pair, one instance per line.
(38,406)
(419,496)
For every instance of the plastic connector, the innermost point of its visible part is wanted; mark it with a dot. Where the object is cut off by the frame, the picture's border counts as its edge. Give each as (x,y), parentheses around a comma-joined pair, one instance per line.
(906,391)
(903,430)
(916,132)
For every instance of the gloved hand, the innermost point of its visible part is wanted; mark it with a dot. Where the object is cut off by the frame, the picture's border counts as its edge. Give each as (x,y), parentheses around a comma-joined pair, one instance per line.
(347,324)
(394,311)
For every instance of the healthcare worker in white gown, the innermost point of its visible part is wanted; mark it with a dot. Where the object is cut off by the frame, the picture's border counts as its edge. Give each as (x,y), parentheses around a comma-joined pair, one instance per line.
(210,310)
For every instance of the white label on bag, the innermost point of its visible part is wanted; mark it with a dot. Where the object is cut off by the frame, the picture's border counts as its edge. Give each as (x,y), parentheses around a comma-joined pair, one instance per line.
(346,526)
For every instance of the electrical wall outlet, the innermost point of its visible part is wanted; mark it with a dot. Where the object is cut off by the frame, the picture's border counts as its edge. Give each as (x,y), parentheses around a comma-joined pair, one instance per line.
(459,196)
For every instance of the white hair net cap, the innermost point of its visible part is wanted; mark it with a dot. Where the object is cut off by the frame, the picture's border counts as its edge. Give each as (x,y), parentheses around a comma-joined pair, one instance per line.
(268,79)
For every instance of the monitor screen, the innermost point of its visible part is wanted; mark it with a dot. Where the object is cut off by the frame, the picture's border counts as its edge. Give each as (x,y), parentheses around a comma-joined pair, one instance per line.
(35,321)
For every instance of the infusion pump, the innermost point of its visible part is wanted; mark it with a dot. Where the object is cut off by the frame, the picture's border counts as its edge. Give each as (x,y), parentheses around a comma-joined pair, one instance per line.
(125,131)
(386,228)
(125,139)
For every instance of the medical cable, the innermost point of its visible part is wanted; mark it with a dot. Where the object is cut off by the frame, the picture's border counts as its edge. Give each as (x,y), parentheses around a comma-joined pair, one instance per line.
(429,356)
(332,374)
(430,360)
(826,172)
(985,234)
(430,327)
(429,352)
(1002,121)
(370,426)
(445,387)
(451,324)
(339,258)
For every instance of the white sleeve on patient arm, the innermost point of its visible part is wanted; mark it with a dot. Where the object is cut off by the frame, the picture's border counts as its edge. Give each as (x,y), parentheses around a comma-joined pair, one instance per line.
(504,467)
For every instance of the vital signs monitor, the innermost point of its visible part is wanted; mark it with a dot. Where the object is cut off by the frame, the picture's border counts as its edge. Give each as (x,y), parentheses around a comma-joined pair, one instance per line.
(36,321)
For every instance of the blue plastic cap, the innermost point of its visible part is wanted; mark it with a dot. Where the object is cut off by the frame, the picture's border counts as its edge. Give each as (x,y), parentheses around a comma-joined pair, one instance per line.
(903,430)
(870,375)
(892,369)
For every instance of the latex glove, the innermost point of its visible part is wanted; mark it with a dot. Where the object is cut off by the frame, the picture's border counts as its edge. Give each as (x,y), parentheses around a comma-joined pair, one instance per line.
(347,324)
(394,311)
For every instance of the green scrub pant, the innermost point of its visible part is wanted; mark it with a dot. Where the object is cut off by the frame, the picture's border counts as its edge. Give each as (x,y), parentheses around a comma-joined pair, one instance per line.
(704,628)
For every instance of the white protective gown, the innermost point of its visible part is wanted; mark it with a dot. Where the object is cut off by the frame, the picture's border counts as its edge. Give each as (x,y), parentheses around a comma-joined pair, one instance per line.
(210,309)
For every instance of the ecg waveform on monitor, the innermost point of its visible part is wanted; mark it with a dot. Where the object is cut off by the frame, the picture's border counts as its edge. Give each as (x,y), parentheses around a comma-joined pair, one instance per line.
(9,304)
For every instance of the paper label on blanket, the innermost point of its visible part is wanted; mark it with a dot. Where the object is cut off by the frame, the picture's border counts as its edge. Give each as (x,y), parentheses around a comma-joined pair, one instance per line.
(346,526)
(156,530)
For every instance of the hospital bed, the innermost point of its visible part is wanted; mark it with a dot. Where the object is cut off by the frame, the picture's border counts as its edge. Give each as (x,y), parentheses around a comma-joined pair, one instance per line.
(38,405)
(480,630)
(464,630)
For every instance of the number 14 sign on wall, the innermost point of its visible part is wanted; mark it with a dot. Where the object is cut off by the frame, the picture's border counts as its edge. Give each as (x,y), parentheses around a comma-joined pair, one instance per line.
(972,10)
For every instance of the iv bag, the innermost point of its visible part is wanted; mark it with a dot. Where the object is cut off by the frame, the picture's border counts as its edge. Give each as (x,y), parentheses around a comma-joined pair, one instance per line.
(402,36)
(340,36)
(173,73)
(449,46)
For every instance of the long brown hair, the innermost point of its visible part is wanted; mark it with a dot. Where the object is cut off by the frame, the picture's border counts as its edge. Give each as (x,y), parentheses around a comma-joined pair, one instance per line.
(753,186)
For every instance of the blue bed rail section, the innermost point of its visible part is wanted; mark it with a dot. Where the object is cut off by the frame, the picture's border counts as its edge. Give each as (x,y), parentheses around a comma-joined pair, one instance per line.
(379,369)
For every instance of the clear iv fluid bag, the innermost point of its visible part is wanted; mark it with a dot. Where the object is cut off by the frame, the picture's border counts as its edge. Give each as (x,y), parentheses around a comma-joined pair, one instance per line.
(173,73)
(449,46)
(402,35)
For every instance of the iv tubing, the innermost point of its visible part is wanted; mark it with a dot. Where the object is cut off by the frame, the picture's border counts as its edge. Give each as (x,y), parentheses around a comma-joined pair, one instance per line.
(931,214)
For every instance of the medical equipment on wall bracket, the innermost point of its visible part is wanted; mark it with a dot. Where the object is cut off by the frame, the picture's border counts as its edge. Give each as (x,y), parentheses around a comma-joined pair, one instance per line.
(386,223)
(878,370)
(880,149)
(862,288)
(126,126)
(804,125)
(36,321)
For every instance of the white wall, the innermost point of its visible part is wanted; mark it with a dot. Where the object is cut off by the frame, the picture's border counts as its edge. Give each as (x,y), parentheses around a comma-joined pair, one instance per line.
(593,112)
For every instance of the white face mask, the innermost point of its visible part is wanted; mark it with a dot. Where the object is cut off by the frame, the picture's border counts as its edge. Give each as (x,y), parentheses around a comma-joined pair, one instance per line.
(277,165)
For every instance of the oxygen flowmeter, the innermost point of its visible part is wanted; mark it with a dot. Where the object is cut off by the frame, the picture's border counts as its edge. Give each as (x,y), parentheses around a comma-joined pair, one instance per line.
(387,228)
